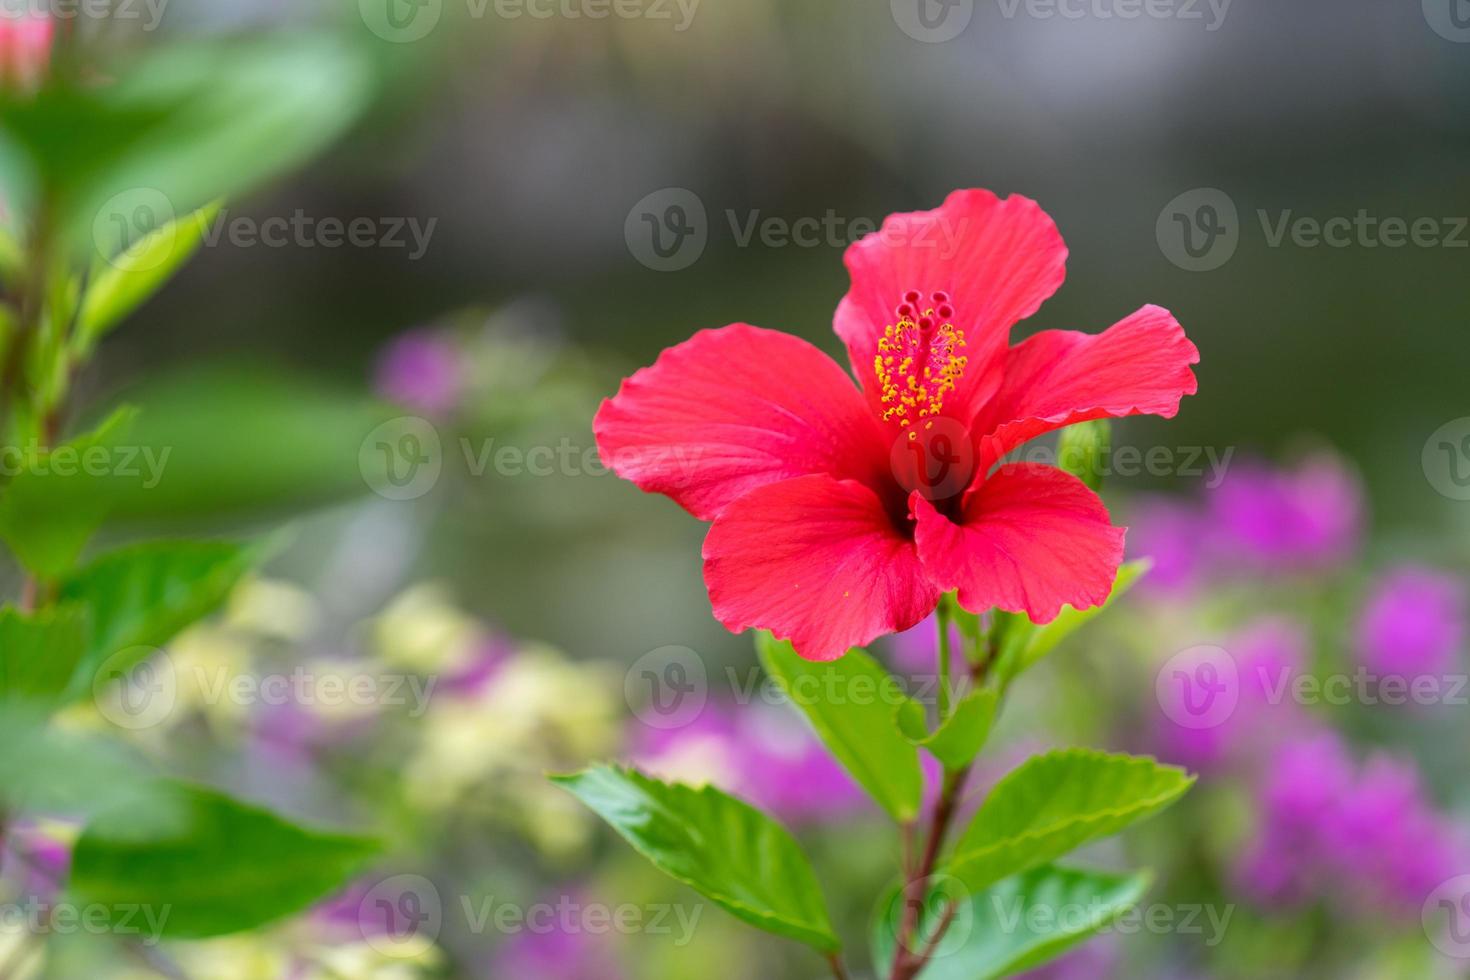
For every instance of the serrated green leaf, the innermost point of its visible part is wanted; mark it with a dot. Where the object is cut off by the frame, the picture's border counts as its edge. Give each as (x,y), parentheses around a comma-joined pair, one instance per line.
(121,284)
(1022,643)
(961,736)
(61,496)
(1056,802)
(141,596)
(220,866)
(720,846)
(1017,924)
(39,653)
(851,703)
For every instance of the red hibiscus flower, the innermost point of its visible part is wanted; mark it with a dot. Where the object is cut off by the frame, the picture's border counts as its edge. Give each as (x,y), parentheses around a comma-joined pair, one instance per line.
(841,512)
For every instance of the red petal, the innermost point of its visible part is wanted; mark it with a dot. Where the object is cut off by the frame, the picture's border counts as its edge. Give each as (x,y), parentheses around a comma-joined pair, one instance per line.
(817,561)
(733,409)
(998,259)
(1032,539)
(1138,366)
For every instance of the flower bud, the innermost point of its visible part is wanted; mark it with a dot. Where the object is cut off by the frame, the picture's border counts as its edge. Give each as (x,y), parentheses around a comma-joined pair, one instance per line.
(1084,450)
(25,49)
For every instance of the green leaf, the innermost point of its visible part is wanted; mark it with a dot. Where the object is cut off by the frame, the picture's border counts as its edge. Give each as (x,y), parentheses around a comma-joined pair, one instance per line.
(45,770)
(177,127)
(122,283)
(723,848)
(1022,643)
(1056,802)
(957,741)
(141,596)
(60,497)
(851,703)
(220,866)
(39,653)
(246,438)
(1017,924)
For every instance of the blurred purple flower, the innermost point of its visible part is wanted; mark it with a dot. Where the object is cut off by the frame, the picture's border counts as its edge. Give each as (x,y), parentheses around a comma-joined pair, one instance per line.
(557,953)
(764,754)
(1413,623)
(36,860)
(484,664)
(421,371)
(1308,779)
(1368,841)
(1268,653)
(916,650)
(1095,959)
(1310,515)
(1171,535)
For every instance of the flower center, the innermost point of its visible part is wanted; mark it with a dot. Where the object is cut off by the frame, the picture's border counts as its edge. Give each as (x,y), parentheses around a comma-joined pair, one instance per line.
(918,361)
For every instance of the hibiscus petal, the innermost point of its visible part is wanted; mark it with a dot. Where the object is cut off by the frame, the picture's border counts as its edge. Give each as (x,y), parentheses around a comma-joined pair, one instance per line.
(1031,539)
(1138,366)
(817,561)
(733,409)
(998,259)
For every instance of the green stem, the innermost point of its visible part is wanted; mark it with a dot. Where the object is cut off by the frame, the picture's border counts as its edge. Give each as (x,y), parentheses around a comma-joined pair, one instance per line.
(942,617)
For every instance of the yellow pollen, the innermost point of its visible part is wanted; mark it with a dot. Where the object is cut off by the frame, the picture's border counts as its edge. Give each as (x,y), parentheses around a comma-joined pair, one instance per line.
(908,394)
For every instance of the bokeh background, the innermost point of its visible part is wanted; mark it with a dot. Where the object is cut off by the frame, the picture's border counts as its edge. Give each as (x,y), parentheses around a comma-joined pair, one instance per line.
(539,154)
